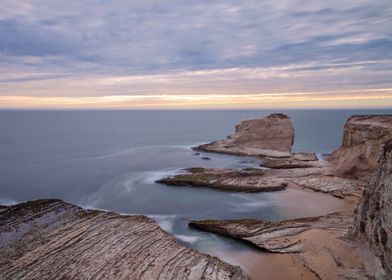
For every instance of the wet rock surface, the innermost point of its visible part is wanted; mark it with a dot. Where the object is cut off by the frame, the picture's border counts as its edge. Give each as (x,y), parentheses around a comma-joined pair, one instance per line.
(363,141)
(373,223)
(51,239)
(269,136)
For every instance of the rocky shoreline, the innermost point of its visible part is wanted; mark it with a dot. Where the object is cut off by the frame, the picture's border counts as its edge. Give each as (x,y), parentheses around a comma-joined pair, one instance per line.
(346,245)
(47,239)
(51,239)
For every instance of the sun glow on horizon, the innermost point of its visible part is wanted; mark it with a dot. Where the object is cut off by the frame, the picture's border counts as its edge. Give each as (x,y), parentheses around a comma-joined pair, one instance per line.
(373,98)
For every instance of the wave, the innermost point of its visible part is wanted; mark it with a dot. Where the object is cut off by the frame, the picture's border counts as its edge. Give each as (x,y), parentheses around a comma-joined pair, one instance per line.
(188,238)
(8,202)
(166,222)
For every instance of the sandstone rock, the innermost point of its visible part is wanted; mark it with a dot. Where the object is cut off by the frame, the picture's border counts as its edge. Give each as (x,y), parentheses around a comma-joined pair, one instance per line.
(319,243)
(245,180)
(363,141)
(288,163)
(269,136)
(373,223)
(302,156)
(50,239)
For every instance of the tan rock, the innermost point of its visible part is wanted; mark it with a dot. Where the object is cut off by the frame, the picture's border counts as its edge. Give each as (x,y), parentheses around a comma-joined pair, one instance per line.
(269,136)
(319,243)
(363,141)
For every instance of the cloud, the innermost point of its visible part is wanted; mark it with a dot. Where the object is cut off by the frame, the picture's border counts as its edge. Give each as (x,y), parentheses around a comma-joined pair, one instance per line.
(300,45)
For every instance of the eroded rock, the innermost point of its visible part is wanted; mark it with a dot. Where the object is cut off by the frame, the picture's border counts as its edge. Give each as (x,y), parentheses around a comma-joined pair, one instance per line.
(373,223)
(51,239)
(288,163)
(269,136)
(319,243)
(363,141)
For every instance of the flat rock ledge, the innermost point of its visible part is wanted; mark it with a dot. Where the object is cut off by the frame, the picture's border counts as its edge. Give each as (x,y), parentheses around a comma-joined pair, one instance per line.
(261,180)
(319,243)
(245,180)
(51,239)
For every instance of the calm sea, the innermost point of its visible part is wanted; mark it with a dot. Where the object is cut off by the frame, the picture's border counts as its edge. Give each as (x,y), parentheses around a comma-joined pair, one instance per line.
(110,159)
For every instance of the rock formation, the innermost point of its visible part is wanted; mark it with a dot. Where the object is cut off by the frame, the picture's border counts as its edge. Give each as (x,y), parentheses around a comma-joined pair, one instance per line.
(363,141)
(296,160)
(269,136)
(320,179)
(319,243)
(50,239)
(373,223)
(245,180)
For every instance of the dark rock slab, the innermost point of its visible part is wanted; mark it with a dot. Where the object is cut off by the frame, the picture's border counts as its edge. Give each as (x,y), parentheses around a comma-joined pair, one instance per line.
(245,180)
(261,180)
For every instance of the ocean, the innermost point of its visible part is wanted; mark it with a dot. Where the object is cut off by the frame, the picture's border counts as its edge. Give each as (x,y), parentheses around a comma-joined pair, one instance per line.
(110,159)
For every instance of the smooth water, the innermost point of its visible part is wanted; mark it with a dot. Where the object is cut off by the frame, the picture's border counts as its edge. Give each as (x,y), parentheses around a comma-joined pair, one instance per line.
(110,159)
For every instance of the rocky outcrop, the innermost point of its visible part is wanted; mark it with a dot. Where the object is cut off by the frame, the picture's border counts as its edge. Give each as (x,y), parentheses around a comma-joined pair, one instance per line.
(363,141)
(50,239)
(373,223)
(245,180)
(319,179)
(319,243)
(296,160)
(269,136)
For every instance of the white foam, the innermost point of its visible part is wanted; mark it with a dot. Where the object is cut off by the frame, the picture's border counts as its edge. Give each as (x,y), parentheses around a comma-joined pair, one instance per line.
(150,177)
(7,202)
(166,222)
(188,238)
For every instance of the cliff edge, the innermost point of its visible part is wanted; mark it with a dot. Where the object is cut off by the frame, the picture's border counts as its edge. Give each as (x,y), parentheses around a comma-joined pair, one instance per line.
(373,223)
(363,141)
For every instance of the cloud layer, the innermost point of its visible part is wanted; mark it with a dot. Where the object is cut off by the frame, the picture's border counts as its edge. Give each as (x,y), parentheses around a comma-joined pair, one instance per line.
(53,51)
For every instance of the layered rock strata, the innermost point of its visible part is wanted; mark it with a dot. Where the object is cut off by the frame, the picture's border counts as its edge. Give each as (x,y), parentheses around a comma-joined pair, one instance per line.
(373,223)
(270,136)
(363,141)
(50,239)
(319,243)
(245,180)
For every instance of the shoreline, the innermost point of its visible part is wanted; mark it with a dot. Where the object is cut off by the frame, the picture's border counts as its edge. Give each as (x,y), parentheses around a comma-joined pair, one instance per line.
(296,239)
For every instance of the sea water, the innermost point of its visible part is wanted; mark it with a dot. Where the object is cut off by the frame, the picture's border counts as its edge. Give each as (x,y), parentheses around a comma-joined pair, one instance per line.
(111,159)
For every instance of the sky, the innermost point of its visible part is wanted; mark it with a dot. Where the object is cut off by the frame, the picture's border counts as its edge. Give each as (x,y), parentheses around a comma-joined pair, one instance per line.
(195,54)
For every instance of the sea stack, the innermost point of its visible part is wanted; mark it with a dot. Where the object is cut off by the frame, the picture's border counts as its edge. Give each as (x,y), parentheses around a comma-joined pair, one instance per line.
(269,136)
(363,141)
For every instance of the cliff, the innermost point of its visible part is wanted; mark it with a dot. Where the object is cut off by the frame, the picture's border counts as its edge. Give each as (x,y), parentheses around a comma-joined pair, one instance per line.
(373,223)
(363,141)
(269,136)
(51,239)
